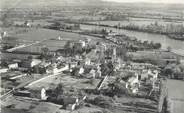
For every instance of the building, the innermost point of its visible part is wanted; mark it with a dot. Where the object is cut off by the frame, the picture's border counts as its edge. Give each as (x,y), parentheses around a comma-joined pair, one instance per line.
(81,70)
(133,83)
(87,61)
(93,73)
(83,43)
(3,70)
(13,66)
(30,63)
(43,94)
(149,74)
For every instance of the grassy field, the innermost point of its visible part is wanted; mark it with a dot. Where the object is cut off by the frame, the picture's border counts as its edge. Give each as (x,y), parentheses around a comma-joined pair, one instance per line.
(153,54)
(40,34)
(67,81)
(136,21)
(175,94)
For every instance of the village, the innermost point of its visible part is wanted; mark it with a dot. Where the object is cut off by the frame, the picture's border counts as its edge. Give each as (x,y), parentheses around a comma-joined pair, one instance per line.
(66,60)
(81,73)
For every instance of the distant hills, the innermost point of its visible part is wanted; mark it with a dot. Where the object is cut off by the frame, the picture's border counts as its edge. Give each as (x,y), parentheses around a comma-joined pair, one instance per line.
(42,3)
(52,3)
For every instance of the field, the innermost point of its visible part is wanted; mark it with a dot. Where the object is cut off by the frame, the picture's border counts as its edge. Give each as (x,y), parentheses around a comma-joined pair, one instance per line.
(153,55)
(175,94)
(136,21)
(39,34)
(66,80)
(27,105)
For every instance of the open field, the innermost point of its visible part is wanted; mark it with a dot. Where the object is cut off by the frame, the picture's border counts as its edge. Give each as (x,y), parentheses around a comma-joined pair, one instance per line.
(137,21)
(39,34)
(153,54)
(66,80)
(28,105)
(176,89)
(175,95)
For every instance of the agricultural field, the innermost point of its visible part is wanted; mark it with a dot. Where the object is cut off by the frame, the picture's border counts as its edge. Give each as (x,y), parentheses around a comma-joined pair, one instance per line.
(66,80)
(41,34)
(51,38)
(175,94)
(137,21)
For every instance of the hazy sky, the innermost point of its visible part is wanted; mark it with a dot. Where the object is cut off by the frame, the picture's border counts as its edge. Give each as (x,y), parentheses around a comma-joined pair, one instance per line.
(150,1)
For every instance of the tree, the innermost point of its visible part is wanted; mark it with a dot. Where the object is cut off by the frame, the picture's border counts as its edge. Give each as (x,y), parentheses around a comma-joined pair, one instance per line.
(59,89)
(169,49)
(45,53)
(178,60)
(30,57)
(145,43)
(77,49)
(158,46)
(121,52)
(67,48)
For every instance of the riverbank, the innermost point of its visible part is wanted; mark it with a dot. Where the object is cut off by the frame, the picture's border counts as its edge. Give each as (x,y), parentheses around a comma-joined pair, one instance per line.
(178,53)
(169,35)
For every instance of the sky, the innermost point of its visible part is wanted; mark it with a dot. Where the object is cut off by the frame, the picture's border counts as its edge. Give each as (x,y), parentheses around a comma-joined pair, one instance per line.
(150,1)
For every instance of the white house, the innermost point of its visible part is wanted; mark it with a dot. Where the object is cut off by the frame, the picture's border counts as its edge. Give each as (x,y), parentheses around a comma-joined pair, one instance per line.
(30,63)
(88,61)
(83,43)
(59,38)
(13,66)
(93,73)
(43,94)
(3,70)
(35,62)
(133,83)
(112,34)
(81,70)
(98,71)
(149,74)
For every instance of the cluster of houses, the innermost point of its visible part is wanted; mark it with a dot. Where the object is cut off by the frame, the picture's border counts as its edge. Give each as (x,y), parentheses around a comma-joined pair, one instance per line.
(88,65)
(141,73)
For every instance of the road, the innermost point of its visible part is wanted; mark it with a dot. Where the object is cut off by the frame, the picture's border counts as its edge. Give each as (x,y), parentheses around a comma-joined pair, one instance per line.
(42,79)
(31,82)
(24,45)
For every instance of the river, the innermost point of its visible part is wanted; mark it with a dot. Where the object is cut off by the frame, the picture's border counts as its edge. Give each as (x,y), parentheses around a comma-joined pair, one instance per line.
(177,46)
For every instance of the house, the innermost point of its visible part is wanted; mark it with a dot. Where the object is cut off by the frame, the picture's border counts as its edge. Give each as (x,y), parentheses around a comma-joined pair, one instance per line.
(87,61)
(3,70)
(39,93)
(104,45)
(56,70)
(59,38)
(112,33)
(93,73)
(60,58)
(149,74)
(73,64)
(81,70)
(144,74)
(99,72)
(30,63)
(4,34)
(83,43)
(43,94)
(45,64)
(78,57)
(13,66)
(154,74)
(133,83)
(156,85)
